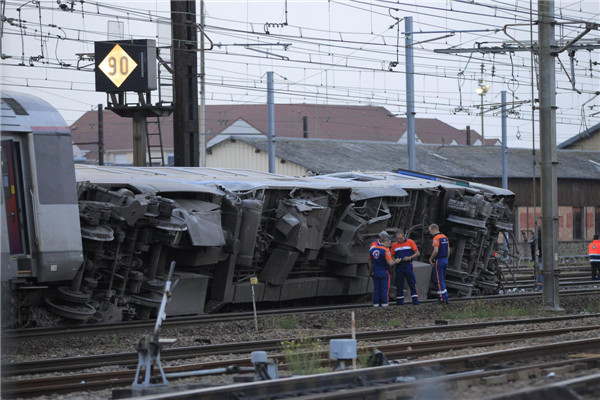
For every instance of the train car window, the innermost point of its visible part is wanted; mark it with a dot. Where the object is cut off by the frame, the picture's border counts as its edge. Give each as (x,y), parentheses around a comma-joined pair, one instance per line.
(12,183)
(55,169)
(16,107)
(5,177)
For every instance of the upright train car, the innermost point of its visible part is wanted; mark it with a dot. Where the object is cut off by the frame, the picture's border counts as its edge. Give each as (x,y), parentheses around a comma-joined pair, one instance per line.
(41,239)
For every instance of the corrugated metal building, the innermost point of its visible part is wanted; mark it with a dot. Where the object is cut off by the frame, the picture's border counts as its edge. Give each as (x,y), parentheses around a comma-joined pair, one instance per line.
(586,140)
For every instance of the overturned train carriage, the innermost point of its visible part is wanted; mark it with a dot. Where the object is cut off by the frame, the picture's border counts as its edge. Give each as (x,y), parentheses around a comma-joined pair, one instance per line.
(91,243)
(303,238)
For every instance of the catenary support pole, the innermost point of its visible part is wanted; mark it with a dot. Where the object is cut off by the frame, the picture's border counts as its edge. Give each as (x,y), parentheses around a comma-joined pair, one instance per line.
(410,93)
(504,143)
(100,134)
(482,126)
(504,158)
(549,192)
(185,83)
(271,121)
(202,115)
(139,139)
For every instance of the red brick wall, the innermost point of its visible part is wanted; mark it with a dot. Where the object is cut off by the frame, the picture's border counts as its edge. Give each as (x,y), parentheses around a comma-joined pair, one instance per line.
(525,222)
(565,224)
(590,228)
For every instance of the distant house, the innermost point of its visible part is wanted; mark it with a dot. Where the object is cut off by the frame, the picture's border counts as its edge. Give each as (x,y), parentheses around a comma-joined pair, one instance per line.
(586,140)
(578,171)
(79,155)
(314,121)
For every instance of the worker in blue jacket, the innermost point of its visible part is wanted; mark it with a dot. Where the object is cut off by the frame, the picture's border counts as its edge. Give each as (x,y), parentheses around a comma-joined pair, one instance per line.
(439,262)
(405,250)
(380,265)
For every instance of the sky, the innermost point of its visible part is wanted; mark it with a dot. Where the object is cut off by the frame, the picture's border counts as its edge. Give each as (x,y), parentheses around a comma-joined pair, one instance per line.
(349,52)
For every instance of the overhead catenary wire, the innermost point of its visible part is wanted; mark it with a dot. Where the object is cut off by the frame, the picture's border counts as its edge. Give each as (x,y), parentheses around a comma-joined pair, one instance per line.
(368,52)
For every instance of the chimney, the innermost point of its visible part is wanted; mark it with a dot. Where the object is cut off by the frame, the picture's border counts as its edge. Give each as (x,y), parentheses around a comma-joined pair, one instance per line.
(305,127)
(468,135)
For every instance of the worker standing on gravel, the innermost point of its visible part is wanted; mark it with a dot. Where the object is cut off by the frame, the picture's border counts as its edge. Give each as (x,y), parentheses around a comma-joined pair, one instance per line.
(439,261)
(405,250)
(594,252)
(380,265)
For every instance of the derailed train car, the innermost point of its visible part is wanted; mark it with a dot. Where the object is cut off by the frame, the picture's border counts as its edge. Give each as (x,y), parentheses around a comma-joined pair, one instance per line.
(305,239)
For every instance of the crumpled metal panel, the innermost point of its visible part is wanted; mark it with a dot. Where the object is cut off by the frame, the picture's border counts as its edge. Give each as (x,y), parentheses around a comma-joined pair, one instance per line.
(252,210)
(363,193)
(203,221)
(298,225)
(278,267)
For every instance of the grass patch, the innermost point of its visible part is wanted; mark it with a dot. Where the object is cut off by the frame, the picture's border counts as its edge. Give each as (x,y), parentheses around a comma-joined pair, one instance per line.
(116,343)
(330,325)
(593,306)
(395,322)
(475,309)
(289,322)
(362,357)
(303,356)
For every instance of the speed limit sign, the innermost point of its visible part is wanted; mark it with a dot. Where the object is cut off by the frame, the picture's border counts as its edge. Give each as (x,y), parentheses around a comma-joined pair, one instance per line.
(125,65)
(117,65)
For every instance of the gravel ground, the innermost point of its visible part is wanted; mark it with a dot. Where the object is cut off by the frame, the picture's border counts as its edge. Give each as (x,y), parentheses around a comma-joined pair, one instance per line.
(316,324)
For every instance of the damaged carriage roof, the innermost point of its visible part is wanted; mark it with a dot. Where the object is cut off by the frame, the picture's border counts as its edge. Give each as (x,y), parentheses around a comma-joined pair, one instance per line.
(169,179)
(364,185)
(416,181)
(144,179)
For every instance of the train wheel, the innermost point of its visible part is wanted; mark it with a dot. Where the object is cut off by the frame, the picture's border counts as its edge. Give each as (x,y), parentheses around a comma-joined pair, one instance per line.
(72,296)
(76,312)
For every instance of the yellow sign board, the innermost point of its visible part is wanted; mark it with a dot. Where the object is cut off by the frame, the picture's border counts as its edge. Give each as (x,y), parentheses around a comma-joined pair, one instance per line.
(117,65)
(253,280)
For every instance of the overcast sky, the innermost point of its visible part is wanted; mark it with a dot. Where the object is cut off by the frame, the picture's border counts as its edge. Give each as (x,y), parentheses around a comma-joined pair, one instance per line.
(326,52)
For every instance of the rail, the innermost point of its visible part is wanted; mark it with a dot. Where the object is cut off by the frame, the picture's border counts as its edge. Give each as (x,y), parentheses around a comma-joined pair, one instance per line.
(91,381)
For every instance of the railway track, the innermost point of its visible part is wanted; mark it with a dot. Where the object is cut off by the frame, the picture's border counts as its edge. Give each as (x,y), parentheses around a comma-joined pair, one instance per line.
(565,272)
(397,350)
(383,382)
(131,358)
(133,326)
(446,369)
(581,386)
(572,283)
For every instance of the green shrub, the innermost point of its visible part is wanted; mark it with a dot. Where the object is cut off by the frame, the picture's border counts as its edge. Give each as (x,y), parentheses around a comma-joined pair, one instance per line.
(362,357)
(303,356)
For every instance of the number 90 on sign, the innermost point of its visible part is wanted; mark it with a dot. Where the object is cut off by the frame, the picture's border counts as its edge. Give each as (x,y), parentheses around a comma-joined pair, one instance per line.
(117,65)
(120,66)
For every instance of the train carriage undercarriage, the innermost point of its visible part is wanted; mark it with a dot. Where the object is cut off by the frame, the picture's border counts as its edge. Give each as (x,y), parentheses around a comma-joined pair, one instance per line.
(303,238)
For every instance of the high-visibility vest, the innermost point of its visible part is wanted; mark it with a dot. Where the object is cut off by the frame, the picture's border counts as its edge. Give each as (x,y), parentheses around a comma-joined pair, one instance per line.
(594,251)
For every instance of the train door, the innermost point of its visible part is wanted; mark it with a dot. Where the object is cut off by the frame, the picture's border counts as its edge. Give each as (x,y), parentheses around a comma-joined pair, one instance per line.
(14,202)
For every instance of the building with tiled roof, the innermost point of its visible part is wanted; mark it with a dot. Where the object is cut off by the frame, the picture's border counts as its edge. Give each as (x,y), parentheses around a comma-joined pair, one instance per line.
(315,121)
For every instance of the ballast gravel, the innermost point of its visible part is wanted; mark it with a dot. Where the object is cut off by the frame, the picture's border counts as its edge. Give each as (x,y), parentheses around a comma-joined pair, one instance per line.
(306,325)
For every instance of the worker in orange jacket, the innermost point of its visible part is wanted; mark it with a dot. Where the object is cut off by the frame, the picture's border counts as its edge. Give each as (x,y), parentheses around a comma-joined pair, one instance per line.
(594,252)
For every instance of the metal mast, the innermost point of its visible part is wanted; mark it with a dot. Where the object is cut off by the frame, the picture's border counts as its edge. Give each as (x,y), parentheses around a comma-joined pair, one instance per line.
(547,98)
(410,93)
(185,81)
